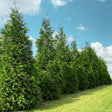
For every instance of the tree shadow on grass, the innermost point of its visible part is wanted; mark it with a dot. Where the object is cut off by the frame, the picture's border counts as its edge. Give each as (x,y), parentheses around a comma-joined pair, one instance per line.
(65,99)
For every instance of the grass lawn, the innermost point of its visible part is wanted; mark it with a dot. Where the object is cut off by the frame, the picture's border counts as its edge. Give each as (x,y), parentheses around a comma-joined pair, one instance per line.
(98,99)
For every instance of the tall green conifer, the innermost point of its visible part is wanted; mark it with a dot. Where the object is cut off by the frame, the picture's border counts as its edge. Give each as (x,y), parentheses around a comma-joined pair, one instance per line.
(104,76)
(44,44)
(47,64)
(64,55)
(18,86)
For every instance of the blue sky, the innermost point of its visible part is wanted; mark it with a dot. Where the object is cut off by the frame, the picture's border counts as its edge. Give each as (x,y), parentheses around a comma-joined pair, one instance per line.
(83,20)
(93,16)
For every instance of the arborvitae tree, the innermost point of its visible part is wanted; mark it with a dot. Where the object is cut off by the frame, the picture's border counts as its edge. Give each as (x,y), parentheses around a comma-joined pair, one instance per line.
(90,60)
(95,67)
(70,74)
(81,71)
(48,65)
(64,54)
(104,75)
(51,81)
(1,49)
(74,50)
(94,70)
(44,44)
(60,49)
(70,77)
(1,45)
(18,86)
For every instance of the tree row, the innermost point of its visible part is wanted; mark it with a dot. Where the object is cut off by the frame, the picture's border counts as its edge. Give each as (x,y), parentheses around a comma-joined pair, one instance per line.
(57,68)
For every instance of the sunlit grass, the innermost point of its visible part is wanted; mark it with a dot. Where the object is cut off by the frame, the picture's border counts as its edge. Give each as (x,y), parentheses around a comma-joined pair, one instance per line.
(93,100)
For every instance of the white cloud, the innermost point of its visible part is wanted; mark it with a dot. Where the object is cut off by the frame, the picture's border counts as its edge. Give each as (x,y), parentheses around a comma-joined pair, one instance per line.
(105,53)
(26,6)
(33,40)
(71,38)
(58,2)
(29,6)
(80,27)
(101,0)
(54,34)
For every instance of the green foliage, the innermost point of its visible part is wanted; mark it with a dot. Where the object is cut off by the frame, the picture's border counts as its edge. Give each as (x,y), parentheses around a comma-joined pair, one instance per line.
(92,68)
(1,50)
(104,75)
(48,66)
(69,69)
(61,55)
(64,54)
(18,84)
(63,68)
(81,72)
(71,79)
(90,60)
(56,69)
(44,44)
(51,81)
(75,52)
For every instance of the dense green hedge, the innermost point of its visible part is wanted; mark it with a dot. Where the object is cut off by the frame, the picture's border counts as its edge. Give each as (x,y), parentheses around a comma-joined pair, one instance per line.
(57,68)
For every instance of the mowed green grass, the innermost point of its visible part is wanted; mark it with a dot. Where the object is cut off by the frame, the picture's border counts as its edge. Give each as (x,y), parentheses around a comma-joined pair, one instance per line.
(98,99)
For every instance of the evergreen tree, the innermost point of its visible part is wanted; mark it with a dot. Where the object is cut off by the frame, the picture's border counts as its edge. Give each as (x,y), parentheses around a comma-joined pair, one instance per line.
(92,70)
(96,69)
(69,80)
(18,87)
(74,50)
(44,44)
(90,61)
(81,71)
(1,50)
(60,50)
(1,45)
(102,70)
(49,79)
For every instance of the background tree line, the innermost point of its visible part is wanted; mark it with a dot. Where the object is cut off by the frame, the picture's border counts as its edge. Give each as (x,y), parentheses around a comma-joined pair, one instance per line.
(56,69)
